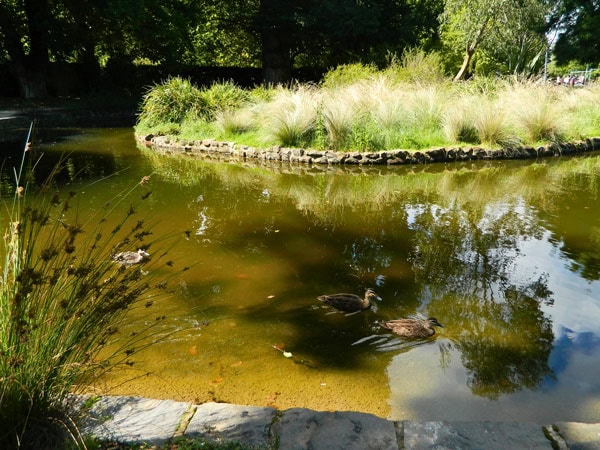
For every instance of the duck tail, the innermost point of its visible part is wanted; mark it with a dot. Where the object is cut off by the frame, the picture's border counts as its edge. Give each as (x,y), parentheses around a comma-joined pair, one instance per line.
(385,325)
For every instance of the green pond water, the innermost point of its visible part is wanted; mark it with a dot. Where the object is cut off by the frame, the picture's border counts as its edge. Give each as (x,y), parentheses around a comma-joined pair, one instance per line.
(506,255)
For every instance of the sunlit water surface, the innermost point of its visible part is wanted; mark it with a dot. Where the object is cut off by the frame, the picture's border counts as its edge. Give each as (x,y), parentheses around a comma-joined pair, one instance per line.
(505,255)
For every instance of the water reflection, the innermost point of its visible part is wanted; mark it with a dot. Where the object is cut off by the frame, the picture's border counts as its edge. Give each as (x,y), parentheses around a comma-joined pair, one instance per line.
(464,231)
(504,255)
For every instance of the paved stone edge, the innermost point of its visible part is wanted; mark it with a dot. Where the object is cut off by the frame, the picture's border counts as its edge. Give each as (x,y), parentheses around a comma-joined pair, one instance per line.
(230,151)
(136,420)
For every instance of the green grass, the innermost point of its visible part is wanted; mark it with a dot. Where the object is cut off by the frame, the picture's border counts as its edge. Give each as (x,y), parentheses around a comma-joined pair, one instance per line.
(408,105)
(62,299)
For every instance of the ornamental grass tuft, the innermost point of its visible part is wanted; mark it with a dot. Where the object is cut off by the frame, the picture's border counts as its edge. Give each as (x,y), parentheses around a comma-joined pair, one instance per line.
(62,301)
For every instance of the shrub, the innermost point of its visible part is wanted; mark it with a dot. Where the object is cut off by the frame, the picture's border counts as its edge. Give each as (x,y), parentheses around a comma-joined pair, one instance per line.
(62,298)
(416,66)
(225,96)
(347,74)
(170,102)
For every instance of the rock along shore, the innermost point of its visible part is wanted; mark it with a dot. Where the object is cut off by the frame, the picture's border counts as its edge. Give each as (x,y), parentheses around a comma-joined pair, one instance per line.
(132,420)
(229,151)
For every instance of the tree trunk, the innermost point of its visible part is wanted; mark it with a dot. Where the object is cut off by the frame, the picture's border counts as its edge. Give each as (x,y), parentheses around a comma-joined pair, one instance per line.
(28,54)
(276,59)
(32,82)
(465,65)
(471,47)
(275,32)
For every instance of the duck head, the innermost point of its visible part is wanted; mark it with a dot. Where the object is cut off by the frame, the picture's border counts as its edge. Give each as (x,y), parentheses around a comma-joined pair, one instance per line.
(371,295)
(434,322)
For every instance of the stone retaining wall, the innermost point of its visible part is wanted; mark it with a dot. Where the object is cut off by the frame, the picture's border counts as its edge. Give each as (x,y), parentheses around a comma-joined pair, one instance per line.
(137,421)
(209,148)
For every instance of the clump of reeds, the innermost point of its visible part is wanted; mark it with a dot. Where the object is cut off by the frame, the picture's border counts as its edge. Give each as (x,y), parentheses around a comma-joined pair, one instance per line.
(536,112)
(290,118)
(62,298)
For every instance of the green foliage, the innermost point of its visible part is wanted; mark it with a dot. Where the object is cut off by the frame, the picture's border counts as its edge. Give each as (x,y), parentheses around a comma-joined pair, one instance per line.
(62,298)
(579,21)
(507,34)
(171,102)
(177,100)
(347,74)
(224,96)
(416,66)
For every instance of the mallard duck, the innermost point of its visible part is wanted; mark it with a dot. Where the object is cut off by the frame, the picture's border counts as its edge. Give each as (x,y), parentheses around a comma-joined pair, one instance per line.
(349,302)
(412,328)
(131,258)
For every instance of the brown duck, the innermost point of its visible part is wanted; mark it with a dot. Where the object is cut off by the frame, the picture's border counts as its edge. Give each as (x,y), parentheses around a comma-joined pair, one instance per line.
(412,328)
(349,302)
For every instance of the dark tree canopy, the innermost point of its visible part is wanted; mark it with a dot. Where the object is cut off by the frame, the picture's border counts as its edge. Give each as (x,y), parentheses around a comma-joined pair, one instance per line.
(273,34)
(580,41)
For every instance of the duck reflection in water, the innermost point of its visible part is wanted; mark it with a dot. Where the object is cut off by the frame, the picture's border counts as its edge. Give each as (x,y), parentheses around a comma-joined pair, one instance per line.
(350,303)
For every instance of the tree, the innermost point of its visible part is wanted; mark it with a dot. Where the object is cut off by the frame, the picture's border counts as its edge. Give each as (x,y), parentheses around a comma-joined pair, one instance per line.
(580,20)
(28,57)
(330,32)
(512,29)
(37,32)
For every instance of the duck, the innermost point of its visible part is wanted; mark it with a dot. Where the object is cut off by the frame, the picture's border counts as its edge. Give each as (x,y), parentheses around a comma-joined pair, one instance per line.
(131,258)
(350,302)
(412,328)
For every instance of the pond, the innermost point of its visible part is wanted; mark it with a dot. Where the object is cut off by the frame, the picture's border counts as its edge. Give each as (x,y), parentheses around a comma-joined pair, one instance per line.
(505,255)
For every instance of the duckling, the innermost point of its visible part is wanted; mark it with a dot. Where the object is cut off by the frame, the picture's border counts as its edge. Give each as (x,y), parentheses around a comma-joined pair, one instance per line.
(349,302)
(412,328)
(131,258)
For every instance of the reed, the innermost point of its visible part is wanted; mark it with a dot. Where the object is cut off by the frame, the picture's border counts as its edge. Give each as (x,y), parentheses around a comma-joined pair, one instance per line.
(62,299)
(290,118)
(536,112)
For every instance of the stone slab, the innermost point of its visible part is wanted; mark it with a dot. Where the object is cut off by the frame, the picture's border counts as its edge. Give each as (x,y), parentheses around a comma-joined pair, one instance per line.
(248,425)
(580,436)
(300,428)
(474,435)
(134,419)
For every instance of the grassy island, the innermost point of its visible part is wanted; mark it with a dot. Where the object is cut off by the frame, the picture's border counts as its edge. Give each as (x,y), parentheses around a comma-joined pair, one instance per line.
(409,105)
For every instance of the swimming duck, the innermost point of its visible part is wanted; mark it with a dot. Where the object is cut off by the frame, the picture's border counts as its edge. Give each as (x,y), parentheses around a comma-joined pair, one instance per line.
(412,328)
(349,302)
(131,258)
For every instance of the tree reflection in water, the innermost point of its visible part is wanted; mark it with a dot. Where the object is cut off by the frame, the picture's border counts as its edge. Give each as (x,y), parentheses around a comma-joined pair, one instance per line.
(463,257)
